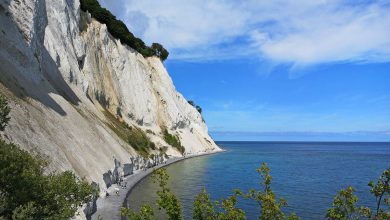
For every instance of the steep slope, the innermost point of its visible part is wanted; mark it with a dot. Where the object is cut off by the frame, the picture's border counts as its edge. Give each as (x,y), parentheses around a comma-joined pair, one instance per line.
(70,83)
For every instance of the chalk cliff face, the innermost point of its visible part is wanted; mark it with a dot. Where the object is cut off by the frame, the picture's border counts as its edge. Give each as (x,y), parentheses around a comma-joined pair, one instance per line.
(62,72)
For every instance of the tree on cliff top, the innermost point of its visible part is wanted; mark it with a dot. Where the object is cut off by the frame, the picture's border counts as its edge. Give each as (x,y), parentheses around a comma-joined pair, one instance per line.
(119,30)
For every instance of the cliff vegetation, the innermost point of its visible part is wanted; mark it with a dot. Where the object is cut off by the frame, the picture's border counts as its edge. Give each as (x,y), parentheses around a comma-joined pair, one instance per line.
(119,30)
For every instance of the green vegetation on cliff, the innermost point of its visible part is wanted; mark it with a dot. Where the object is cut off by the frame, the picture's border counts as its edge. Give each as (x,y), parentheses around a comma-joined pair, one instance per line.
(173,140)
(134,136)
(197,107)
(119,30)
(4,111)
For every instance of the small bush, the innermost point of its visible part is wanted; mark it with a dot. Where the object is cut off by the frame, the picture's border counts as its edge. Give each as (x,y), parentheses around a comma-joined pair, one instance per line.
(197,107)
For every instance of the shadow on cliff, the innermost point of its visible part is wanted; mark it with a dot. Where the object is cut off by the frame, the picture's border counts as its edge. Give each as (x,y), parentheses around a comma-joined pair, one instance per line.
(50,80)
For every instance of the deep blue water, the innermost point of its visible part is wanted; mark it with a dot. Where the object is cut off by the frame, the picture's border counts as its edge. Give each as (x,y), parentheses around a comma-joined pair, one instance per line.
(307,174)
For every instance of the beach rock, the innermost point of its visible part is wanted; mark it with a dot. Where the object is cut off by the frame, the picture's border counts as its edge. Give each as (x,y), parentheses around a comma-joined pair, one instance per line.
(107,178)
(127,169)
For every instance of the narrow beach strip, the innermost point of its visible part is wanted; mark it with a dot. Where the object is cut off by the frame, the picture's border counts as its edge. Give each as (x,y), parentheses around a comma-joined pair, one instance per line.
(108,208)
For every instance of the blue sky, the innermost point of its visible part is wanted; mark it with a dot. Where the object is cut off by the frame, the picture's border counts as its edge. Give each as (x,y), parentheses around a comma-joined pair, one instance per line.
(275,70)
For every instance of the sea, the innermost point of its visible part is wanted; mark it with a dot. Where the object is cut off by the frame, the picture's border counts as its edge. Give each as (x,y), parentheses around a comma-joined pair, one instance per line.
(307,174)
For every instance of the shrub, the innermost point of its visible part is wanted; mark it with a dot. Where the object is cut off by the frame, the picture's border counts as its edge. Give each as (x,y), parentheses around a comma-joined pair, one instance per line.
(26,193)
(344,203)
(119,30)
(197,107)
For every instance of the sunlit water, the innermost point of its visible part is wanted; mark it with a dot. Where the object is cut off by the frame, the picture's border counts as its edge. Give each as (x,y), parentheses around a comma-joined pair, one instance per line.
(307,174)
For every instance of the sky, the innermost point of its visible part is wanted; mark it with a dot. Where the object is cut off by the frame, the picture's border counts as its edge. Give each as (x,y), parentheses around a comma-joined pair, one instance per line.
(283,70)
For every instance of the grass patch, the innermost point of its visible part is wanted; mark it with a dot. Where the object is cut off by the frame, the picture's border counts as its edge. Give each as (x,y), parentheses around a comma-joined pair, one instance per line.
(134,136)
(173,140)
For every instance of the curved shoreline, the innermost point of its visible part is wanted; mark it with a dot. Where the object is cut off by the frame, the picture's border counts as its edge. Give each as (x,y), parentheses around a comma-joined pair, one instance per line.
(109,207)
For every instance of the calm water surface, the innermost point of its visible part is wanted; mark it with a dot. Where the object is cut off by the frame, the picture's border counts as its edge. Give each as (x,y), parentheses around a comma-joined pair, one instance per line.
(307,174)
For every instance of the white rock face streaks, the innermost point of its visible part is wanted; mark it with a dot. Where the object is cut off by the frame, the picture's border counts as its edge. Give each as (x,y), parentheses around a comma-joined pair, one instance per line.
(61,70)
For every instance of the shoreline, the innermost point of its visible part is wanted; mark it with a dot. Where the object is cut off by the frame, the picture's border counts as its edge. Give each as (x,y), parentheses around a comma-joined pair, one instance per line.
(109,207)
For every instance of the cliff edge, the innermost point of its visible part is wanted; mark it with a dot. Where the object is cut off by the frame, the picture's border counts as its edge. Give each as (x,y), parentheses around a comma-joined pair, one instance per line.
(74,91)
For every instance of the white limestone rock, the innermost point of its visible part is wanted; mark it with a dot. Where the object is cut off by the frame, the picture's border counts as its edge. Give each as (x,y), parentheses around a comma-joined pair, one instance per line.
(60,70)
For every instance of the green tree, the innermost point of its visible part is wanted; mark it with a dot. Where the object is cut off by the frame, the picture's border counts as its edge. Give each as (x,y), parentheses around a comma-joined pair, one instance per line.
(270,205)
(344,205)
(27,193)
(229,209)
(119,30)
(381,191)
(4,112)
(166,199)
(203,207)
(145,213)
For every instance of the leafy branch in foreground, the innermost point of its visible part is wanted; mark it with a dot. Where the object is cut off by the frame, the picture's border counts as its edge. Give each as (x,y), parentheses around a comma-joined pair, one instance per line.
(381,191)
(270,205)
(27,193)
(167,200)
(204,209)
(145,213)
(344,204)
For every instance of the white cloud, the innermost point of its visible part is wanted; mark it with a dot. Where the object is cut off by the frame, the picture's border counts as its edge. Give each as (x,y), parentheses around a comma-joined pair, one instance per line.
(301,32)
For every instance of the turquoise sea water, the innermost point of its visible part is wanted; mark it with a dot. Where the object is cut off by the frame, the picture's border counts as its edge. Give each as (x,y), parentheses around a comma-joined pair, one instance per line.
(307,174)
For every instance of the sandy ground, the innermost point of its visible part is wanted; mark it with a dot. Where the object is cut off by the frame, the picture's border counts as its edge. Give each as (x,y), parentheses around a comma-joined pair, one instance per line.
(108,208)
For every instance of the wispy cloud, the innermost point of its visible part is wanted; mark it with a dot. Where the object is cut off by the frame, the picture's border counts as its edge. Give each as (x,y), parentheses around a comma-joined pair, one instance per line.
(300,32)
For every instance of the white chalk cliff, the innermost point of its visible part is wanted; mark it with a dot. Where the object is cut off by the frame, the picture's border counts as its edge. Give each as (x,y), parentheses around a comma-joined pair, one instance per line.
(61,70)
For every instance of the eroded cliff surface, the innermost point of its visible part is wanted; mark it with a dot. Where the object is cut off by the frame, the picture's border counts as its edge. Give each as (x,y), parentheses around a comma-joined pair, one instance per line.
(67,79)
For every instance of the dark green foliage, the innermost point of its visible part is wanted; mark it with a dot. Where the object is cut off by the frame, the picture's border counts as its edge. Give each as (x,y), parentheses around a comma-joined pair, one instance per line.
(197,107)
(173,140)
(145,213)
(381,191)
(4,112)
(343,206)
(270,205)
(134,136)
(191,102)
(160,51)
(26,193)
(119,30)
(203,207)
(229,209)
